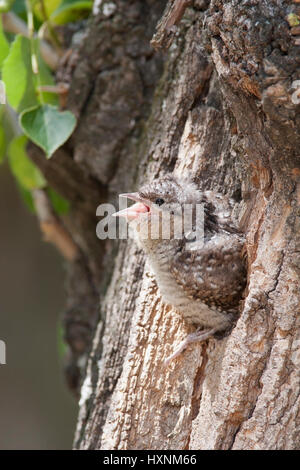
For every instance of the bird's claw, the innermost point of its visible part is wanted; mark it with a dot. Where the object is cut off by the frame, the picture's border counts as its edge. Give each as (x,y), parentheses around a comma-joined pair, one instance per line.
(198,336)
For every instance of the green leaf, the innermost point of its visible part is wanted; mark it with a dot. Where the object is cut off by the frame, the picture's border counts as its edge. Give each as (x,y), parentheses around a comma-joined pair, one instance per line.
(20,81)
(59,204)
(26,197)
(4,46)
(18,77)
(48,7)
(26,173)
(2,144)
(48,127)
(71,11)
(61,343)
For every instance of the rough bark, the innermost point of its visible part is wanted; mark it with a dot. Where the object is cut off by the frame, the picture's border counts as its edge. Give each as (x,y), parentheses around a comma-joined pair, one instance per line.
(218,107)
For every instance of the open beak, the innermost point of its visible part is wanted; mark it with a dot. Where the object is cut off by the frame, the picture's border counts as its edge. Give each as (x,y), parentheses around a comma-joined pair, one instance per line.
(142,206)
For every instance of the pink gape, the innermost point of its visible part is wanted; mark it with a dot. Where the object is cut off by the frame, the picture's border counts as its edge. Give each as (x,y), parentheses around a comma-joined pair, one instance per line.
(134,211)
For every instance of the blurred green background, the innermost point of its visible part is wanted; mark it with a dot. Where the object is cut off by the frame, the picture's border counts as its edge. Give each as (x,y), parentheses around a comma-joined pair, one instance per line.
(36,409)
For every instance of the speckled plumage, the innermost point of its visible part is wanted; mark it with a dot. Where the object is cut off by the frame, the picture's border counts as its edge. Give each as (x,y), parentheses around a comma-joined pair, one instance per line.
(205,285)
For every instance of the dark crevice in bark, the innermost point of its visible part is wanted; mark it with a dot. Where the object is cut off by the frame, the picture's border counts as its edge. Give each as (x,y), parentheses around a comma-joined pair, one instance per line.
(198,382)
(253,404)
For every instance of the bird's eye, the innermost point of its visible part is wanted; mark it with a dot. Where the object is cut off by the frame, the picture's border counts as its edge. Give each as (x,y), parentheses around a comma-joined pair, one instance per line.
(159,201)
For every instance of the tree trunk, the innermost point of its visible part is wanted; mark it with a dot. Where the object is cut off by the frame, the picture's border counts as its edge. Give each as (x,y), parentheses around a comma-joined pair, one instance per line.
(219,106)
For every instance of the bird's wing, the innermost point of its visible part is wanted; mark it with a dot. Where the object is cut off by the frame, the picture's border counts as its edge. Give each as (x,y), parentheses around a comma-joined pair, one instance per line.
(215,273)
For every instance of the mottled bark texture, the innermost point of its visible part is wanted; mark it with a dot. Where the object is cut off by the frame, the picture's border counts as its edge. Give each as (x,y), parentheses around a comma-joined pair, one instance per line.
(219,106)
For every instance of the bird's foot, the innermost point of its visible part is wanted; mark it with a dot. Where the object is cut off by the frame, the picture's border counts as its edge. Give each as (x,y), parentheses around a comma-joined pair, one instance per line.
(198,336)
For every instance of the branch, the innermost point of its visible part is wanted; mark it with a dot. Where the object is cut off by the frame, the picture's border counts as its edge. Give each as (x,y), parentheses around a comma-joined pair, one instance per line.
(166,27)
(51,227)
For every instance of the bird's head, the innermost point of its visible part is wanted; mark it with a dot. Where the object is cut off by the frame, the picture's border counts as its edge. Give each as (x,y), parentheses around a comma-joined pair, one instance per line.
(156,204)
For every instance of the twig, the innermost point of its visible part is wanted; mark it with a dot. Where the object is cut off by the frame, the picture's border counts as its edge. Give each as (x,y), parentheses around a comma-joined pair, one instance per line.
(166,27)
(61,89)
(13,24)
(51,226)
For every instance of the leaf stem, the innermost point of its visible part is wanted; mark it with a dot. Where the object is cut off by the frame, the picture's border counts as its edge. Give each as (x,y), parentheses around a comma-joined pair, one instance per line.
(34,59)
(51,30)
(29,19)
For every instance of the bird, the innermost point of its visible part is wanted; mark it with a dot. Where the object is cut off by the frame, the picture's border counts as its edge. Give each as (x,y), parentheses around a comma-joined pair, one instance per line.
(203,278)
